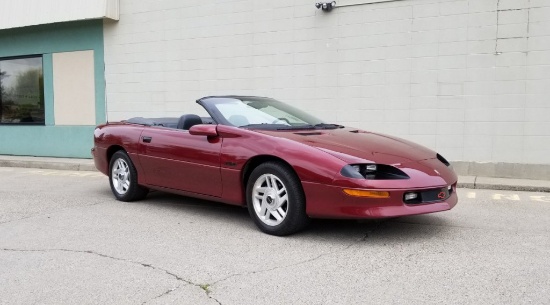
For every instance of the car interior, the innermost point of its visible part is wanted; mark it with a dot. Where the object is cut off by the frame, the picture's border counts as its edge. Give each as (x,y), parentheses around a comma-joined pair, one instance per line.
(184,122)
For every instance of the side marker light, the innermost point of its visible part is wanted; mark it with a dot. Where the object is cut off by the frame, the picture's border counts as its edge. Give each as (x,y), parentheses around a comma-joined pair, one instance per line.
(367,194)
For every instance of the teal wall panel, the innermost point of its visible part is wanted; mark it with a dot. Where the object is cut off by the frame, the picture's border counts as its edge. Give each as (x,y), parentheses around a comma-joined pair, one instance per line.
(52,38)
(47,70)
(52,140)
(47,141)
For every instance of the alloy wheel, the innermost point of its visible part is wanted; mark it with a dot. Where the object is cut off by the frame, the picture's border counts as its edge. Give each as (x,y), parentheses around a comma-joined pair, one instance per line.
(121,176)
(270,199)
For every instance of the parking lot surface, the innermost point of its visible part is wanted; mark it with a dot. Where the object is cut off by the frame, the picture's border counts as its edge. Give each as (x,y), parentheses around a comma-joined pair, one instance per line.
(64,239)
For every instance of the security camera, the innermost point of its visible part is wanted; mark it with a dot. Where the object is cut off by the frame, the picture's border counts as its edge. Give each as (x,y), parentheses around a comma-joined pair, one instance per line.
(326,6)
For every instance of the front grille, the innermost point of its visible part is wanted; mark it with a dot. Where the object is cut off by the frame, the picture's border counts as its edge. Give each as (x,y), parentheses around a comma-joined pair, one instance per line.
(428,196)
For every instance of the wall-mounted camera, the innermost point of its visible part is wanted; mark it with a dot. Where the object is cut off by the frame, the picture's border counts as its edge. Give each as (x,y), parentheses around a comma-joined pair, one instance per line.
(326,6)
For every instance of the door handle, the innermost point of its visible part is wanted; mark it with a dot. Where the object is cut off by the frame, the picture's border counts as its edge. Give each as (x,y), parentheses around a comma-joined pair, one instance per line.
(146,139)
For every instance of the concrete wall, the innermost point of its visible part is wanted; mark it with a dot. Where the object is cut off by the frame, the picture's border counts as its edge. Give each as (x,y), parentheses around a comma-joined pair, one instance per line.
(468,78)
(22,13)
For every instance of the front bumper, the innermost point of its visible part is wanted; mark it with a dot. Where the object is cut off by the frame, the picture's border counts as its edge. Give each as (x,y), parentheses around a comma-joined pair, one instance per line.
(327,201)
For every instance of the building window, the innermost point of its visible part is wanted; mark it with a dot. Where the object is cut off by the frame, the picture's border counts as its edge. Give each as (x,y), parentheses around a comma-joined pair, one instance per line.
(21,91)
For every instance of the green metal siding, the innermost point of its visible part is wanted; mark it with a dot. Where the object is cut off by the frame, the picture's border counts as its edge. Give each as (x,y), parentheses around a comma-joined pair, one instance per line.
(52,140)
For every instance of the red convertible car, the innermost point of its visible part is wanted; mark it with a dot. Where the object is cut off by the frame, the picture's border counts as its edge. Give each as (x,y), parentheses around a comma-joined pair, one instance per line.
(282,163)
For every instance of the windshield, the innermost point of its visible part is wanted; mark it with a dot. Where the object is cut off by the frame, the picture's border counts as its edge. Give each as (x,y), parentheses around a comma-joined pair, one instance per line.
(258,112)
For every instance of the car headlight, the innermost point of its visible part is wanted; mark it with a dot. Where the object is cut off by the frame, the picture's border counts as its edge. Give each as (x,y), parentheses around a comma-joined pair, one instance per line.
(373,172)
(443,160)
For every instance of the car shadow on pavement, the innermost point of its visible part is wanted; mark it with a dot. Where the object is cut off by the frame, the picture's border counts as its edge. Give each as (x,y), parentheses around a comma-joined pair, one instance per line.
(419,227)
(411,228)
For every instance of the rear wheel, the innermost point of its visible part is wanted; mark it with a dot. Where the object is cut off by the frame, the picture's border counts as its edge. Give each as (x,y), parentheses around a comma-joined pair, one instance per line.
(123,178)
(275,199)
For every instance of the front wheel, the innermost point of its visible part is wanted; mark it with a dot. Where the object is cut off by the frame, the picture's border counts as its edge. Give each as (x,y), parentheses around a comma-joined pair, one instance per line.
(123,178)
(276,200)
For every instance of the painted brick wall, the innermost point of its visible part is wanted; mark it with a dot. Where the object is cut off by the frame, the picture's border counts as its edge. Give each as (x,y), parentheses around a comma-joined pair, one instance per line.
(468,78)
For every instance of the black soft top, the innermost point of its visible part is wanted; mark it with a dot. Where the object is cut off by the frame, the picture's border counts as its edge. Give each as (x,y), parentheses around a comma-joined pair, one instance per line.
(168,122)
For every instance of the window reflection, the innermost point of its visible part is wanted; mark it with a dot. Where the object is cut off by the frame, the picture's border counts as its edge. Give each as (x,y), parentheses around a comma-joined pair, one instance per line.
(21,91)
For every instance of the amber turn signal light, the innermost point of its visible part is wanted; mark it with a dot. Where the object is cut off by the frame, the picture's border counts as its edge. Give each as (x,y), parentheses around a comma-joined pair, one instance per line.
(368,194)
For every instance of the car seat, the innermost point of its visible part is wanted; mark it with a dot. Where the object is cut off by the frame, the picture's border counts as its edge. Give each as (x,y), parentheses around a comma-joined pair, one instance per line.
(187,120)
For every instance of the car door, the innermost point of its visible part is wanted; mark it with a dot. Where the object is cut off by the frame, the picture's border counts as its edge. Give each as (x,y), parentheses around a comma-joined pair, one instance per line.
(175,159)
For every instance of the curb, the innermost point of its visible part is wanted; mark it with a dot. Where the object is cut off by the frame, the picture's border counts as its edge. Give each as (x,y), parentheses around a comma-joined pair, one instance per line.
(470,182)
(504,187)
(487,183)
(48,165)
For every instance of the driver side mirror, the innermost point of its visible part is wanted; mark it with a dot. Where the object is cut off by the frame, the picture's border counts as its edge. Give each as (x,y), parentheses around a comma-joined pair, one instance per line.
(204,130)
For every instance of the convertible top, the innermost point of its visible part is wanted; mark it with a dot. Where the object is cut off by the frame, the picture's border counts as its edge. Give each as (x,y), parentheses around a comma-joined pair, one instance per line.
(169,122)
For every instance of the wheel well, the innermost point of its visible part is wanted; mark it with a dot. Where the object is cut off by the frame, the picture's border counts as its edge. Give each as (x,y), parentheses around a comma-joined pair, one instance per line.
(253,163)
(111,151)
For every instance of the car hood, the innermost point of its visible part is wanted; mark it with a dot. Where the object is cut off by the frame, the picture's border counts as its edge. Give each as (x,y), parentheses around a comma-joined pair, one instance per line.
(354,146)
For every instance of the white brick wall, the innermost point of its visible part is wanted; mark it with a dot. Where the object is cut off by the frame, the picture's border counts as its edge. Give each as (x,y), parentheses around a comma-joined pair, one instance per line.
(468,78)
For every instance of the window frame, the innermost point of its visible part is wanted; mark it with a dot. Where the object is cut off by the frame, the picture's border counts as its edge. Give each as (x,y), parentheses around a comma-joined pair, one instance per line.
(43,123)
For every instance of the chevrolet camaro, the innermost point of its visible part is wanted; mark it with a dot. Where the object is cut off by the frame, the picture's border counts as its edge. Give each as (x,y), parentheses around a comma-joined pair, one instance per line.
(285,165)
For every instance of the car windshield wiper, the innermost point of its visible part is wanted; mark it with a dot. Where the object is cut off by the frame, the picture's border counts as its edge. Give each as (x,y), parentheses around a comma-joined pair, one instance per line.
(296,127)
(261,125)
(327,126)
(308,126)
(269,126)
(292,127)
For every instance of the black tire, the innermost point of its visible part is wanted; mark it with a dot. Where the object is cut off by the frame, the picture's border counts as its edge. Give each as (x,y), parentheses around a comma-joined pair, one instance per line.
(283,180)
(131,190)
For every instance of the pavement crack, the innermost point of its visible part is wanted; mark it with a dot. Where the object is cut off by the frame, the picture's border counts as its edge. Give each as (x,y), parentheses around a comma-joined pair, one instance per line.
(373,228)
(50,212)
(22,218)
(162,294)
(145,265)
(309,260)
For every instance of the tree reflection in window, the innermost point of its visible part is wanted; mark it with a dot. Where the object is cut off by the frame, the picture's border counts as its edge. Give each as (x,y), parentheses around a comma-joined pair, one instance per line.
(21,91)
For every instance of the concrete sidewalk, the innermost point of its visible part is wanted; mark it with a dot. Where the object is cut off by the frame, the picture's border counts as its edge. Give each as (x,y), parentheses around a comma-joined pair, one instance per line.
(47,163)
(473,182)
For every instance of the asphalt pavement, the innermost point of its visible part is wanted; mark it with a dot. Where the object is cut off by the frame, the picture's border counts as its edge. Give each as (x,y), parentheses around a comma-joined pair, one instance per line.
(472,182)
(64,239)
